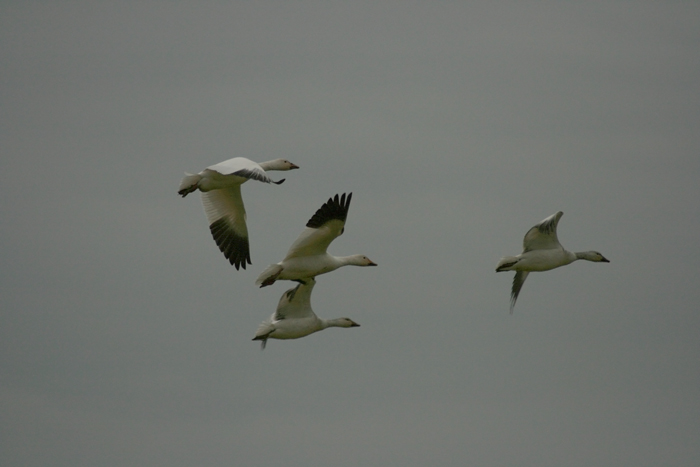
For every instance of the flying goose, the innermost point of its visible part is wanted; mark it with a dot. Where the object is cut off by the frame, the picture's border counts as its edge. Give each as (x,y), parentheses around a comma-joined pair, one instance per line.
(541,252)
(294,317)
(220,185)
(307,257)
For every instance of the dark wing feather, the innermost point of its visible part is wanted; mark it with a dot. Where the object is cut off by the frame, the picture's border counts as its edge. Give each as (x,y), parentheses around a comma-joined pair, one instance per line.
(334,209)
(324,226)
(518,282)
(234,247)
(253,174)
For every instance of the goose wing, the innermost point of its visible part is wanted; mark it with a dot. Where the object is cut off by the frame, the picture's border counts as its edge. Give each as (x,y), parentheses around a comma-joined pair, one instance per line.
(323,227)
(518,282)
(243,168)
(543,236)
(226,215)
(296,303)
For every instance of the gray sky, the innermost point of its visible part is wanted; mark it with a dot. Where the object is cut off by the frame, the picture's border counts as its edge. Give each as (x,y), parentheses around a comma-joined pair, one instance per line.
(126,336)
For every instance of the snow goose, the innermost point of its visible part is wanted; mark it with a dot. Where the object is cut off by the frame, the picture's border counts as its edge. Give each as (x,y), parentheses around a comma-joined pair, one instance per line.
(294,317)
(541,252)
(220,185)
(307,257)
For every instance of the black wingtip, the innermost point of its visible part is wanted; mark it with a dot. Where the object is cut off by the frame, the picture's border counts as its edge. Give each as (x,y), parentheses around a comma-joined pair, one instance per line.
(234,247)
(336,208)
(238,263)
(280,182)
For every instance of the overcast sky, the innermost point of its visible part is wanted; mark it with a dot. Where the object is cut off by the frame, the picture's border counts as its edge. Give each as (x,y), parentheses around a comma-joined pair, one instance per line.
(126,335)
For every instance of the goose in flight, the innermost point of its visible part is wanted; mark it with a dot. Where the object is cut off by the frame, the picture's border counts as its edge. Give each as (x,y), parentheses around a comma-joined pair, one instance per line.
(307,257)
(541,252)
(294,317)
(220,185)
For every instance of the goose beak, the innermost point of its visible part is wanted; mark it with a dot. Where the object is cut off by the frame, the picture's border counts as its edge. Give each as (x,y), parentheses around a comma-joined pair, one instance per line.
(354,325)
(294,166)
(372,263)
(605,260)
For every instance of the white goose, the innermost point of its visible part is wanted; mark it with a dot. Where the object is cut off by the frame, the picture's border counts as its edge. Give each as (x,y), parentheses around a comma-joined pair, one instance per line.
(220,185)
(294,317)
(541,252)
(307,257)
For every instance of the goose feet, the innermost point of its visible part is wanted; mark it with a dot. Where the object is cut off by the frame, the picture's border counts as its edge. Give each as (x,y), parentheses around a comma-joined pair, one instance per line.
(186,191)
(270,280)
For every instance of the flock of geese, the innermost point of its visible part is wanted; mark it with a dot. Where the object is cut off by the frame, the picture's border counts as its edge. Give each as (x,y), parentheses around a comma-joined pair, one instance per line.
(220,185)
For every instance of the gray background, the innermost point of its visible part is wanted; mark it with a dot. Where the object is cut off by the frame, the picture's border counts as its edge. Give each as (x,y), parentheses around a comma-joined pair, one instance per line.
(457,126)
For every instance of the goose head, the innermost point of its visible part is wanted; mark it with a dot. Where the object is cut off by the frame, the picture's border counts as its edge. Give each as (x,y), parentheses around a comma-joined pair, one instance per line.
(278,164)
(343,323)
(594,256)
(360,260)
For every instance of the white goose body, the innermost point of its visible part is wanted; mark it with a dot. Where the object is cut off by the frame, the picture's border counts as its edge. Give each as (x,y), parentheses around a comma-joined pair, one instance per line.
(307,257)
(294,317)
(541,252)
(543,260)
(220,185)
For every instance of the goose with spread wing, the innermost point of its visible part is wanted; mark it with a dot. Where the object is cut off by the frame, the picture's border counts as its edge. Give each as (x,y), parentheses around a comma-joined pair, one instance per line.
(294,317)
(220,185)
(541,252)
(307,257)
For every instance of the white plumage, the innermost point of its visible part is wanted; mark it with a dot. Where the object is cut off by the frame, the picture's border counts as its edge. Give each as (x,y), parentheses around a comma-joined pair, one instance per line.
(294,317)
(220,185)
(541,252)
(307,257)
